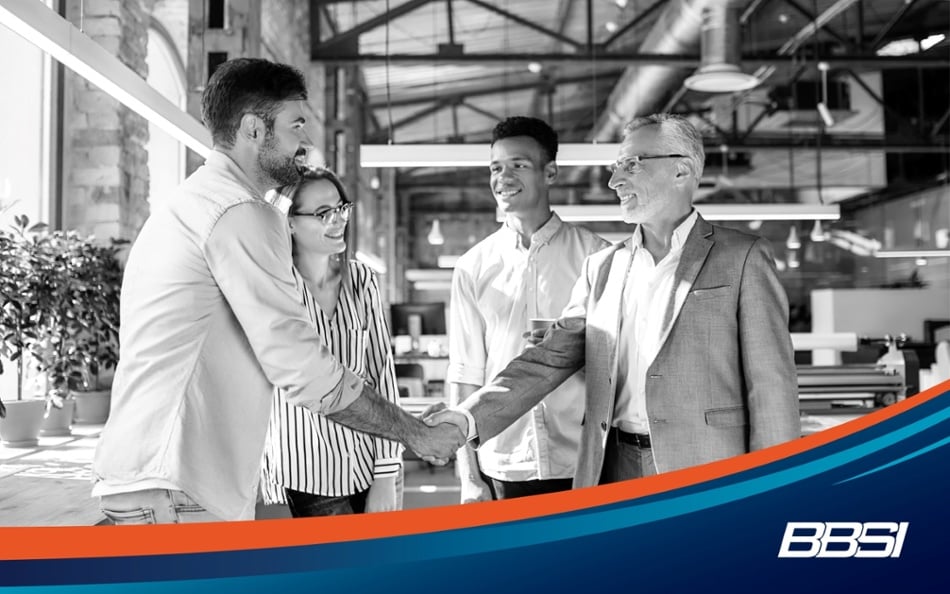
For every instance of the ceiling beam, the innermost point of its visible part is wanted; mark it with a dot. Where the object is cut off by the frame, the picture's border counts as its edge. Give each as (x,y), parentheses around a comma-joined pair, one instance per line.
(490,90)
(564,10)
(812,28)
(350,36)
(884,32)
(480,111)
(383,133)
(526,23)
(873,62)
(634,22)
(823,27)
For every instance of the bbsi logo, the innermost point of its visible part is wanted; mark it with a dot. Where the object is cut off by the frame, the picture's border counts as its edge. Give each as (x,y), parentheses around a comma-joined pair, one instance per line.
(843,539)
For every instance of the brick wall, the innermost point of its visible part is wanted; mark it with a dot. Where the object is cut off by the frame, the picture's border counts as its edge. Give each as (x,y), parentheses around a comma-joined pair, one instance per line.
(105,162)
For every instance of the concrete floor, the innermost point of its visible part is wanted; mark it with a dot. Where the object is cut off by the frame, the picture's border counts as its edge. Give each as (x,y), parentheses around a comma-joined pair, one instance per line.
(49,484)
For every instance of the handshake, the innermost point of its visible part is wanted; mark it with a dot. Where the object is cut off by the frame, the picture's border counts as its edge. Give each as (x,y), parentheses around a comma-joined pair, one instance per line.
(443,433)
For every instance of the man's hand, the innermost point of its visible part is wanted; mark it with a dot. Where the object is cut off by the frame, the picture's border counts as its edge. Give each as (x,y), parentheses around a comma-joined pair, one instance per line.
(534,337)
(438,442)
(447,415)
(474,489)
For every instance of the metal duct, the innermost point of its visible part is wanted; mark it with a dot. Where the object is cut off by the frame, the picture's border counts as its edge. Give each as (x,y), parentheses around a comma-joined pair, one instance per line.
(641,88)
(720,37)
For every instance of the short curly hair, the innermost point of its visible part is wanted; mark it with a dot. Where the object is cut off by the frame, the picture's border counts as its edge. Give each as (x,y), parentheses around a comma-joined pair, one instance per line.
(247,85)
(537,129)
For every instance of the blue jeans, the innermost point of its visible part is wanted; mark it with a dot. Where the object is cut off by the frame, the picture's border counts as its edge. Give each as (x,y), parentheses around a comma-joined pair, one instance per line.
(154,506)
(308,505)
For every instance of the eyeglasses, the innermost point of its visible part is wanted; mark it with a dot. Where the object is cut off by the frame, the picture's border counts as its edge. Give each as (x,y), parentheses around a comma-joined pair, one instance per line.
(327,215)
(634,164)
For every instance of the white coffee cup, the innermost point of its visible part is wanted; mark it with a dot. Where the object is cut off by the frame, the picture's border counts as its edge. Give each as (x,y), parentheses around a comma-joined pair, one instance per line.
(540,323)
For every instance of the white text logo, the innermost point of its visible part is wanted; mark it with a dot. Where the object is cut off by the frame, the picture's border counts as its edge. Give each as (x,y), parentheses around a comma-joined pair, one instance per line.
(843,539)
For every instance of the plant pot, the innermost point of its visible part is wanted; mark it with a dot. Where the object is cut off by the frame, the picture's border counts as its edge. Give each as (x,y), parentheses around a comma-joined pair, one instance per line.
(58,421)
(92,408)
(21,427)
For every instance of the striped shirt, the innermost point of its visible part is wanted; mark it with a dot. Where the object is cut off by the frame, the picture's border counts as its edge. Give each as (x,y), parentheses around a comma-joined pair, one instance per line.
(312,454)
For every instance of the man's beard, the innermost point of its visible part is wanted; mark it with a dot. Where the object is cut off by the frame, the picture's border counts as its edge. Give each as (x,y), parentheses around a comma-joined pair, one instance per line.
(282,169)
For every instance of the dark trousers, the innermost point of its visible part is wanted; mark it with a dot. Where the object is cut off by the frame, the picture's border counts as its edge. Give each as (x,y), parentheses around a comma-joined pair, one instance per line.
(307,505)
(513,489)
(624,461)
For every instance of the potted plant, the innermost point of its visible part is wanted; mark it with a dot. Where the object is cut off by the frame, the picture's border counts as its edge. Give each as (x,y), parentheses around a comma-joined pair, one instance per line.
(24,300)
(93,308)
(60,309)
(79,338)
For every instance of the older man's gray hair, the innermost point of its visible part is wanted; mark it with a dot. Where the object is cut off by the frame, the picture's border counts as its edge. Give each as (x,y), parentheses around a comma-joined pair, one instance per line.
(678,136)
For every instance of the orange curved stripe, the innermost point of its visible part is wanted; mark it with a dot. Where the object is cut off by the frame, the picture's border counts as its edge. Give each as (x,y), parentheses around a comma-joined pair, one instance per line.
(120,541)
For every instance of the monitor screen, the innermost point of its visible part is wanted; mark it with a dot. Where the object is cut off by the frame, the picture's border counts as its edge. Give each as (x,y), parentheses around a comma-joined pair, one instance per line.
(432,316)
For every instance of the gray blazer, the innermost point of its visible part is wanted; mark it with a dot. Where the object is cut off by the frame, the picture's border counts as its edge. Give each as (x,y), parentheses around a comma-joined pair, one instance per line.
(723,382)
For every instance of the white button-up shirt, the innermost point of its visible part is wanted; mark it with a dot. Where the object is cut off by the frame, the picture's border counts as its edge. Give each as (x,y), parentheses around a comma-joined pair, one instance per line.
(646,295)
(211,317)
(498,286)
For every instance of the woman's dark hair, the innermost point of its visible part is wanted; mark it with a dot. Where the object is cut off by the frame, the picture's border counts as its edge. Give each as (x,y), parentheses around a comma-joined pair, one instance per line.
(338,263)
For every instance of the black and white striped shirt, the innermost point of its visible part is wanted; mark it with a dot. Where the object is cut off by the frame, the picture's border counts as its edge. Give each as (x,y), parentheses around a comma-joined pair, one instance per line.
(309,453)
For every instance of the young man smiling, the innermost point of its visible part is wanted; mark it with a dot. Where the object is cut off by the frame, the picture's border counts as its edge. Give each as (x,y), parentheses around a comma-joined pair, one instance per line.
(522,271)
(212,317)
(682,330)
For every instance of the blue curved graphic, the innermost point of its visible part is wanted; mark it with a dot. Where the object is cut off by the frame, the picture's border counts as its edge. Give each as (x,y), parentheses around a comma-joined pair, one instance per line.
(722,535)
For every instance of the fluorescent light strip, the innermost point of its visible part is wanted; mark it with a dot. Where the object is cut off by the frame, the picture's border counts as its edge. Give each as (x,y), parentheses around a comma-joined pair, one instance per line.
(477,155)
(473,155)
(53,34)
(912,254)
(415,275)
(591,213)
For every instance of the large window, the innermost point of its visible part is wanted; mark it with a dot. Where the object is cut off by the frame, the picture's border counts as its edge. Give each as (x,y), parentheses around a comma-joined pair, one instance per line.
(166,156)
(25,152)
(25,115)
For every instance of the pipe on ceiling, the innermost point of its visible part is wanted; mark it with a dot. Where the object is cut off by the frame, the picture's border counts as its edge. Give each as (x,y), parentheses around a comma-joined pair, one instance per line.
(641,88)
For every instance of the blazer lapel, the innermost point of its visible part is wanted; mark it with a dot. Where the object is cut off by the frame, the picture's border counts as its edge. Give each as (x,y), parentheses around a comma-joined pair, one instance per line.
(612,302)
(698,243)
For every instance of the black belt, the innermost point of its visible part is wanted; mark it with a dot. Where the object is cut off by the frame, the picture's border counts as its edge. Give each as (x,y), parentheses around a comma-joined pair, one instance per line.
(641,440)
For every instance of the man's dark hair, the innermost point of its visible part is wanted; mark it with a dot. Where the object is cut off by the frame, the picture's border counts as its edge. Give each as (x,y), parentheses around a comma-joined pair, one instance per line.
(526,126)
(247,85)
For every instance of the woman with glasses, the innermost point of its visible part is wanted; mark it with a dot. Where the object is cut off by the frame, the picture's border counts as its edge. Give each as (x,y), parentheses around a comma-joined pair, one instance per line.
(317,467)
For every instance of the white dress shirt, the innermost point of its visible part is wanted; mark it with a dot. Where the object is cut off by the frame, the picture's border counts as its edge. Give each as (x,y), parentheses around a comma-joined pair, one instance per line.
(498,286)
(646,295)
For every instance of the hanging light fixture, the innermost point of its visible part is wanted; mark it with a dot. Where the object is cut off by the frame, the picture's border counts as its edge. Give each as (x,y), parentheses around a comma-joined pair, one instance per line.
(793,243)
(435,234)
(817,234)
(823,110)
(793,259)
(721,50)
